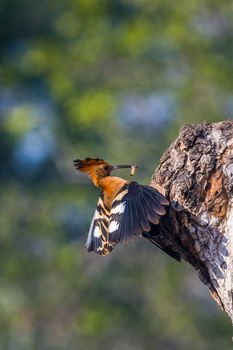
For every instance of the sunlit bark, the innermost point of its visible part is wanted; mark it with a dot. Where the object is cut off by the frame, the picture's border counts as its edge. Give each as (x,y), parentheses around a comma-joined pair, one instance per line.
(196,174)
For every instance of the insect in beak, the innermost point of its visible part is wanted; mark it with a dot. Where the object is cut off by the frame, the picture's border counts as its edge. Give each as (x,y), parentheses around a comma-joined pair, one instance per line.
(133,170)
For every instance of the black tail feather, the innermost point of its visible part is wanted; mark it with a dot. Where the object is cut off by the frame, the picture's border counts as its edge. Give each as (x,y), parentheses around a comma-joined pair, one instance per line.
(168,251)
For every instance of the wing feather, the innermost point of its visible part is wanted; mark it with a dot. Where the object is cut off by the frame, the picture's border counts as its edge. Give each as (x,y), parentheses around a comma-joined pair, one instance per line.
(142,205)
(97,239)
(143,208)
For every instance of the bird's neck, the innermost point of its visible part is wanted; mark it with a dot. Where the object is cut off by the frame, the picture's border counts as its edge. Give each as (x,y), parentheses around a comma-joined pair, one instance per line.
(111,186)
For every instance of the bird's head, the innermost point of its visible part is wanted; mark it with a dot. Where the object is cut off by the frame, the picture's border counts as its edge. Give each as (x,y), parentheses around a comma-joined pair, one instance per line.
(97,168)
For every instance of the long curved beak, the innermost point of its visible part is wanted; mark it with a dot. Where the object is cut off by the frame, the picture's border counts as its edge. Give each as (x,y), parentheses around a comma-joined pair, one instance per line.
(133,168)
(120,166)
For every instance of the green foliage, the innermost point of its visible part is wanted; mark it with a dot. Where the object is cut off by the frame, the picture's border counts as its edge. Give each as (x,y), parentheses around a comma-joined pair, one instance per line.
(116,80)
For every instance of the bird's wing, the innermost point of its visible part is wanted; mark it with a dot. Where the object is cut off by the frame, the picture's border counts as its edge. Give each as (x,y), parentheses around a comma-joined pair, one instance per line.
(132,211)
(97,239)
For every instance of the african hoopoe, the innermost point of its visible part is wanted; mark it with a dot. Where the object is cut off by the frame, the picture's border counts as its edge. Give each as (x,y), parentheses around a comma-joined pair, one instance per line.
(125,209)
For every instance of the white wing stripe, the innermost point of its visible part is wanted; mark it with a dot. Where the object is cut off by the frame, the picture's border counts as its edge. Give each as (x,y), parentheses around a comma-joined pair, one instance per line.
(120,195)
(97,232)
(119,209)
(113,226)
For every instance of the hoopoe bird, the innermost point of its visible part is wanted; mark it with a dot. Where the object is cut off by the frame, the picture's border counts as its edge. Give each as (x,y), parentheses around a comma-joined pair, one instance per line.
(125,209)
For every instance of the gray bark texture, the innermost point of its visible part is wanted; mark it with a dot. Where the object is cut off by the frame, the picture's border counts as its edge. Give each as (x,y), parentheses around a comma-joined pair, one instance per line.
(196,175)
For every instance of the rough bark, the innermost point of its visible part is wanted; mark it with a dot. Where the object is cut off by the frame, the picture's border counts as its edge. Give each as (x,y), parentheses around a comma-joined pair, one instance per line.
(196,174)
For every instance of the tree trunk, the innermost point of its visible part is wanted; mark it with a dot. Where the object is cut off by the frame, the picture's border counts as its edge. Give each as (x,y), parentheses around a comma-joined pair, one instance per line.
(196,174)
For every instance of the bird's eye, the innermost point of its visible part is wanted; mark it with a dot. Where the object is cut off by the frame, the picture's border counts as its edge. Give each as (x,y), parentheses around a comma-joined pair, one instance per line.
(106,167)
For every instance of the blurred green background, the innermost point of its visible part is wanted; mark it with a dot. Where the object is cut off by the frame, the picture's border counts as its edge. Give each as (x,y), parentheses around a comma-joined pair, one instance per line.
(116,80)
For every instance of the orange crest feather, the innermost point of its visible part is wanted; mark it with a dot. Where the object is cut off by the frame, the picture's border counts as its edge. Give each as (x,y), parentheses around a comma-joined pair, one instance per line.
(85,164)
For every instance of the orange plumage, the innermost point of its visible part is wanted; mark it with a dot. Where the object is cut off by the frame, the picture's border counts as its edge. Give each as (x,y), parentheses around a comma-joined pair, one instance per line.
(99,171)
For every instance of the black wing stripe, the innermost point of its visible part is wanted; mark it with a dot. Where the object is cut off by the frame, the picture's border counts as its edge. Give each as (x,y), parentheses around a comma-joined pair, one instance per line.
(136,228)
(172,254)
(153,197)
(151,213)
(160,197)
(144,222)
(130,214)
(131,221)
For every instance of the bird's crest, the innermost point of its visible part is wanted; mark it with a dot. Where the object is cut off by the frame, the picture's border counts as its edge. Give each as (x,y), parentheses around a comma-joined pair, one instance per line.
(85,164)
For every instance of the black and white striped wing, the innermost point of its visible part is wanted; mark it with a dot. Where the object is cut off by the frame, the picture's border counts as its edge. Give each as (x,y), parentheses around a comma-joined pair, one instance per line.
(133,210)
(97,239)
